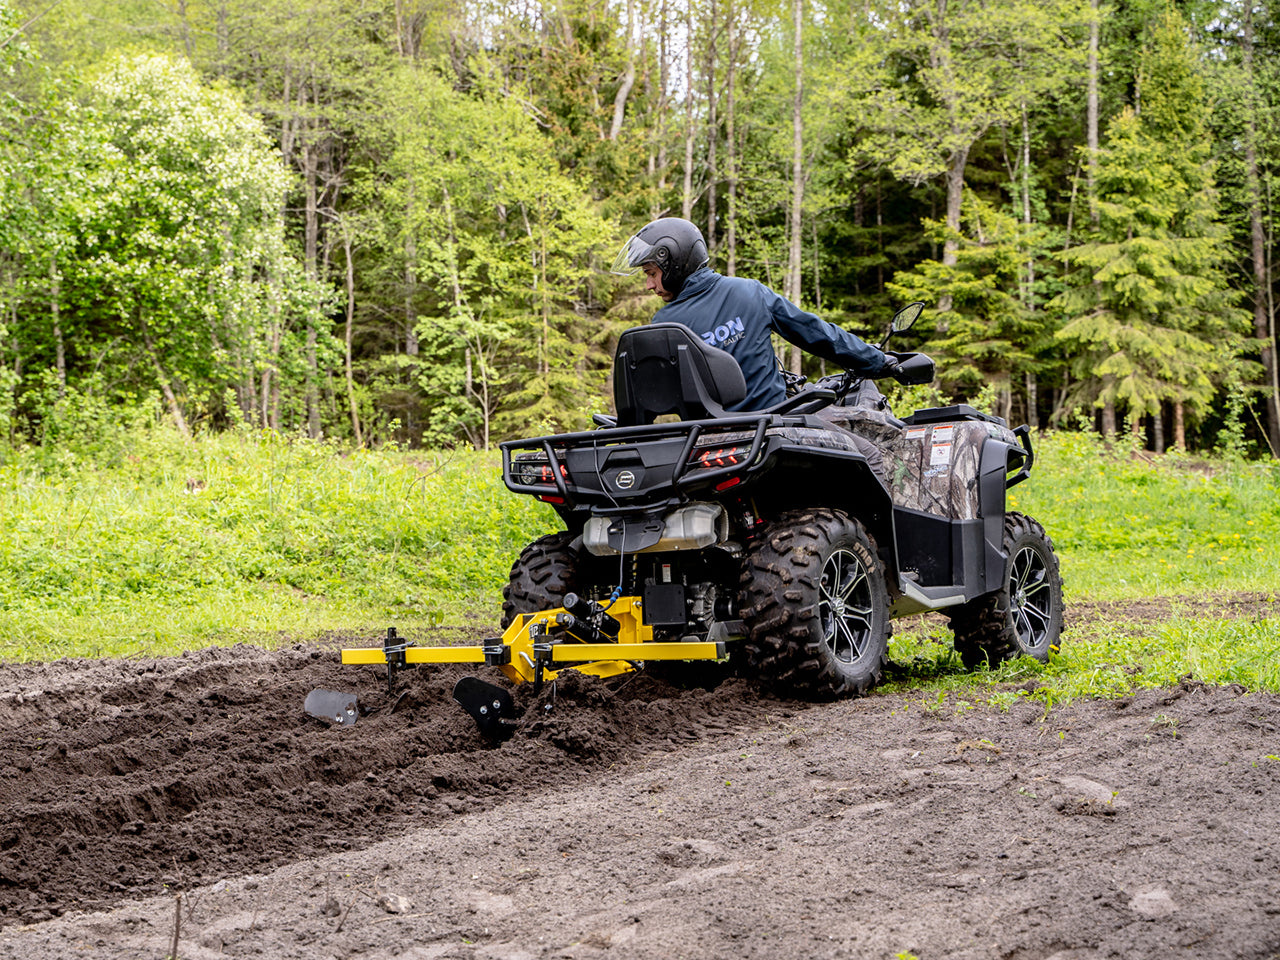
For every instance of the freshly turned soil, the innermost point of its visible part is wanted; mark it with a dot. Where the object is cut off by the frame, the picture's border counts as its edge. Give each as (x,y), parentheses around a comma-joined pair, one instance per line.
(636,818)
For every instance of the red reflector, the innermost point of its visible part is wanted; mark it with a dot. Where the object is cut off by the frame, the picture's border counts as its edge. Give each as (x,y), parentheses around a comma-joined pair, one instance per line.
(545,499)
(726,484)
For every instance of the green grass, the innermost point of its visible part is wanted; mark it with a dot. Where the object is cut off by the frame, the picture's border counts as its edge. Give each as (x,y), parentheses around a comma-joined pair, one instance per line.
(1133,525)
(248,537)
(1101,659)
(167,545)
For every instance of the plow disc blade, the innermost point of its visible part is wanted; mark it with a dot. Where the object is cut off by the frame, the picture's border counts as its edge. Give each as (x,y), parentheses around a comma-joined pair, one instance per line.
(492,707)
(332,706)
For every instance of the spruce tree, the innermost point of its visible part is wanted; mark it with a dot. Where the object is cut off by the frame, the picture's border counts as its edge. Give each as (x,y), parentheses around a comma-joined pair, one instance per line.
(1149,313)
(989,337)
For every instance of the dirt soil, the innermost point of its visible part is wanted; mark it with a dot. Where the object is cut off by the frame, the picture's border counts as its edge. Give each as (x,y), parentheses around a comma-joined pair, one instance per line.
(191,798)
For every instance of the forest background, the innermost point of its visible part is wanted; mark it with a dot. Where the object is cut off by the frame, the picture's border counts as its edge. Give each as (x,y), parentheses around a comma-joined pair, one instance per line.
(392,221)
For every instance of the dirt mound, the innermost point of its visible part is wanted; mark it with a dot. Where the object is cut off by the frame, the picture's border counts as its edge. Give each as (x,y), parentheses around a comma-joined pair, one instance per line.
(129,778)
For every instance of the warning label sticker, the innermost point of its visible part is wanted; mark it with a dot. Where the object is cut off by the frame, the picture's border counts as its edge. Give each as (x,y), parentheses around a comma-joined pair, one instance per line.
(944,434)
(916,433)
(940,454)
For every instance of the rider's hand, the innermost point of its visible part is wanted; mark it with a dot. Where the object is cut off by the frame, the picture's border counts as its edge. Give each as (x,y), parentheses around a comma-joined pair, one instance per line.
(890,368)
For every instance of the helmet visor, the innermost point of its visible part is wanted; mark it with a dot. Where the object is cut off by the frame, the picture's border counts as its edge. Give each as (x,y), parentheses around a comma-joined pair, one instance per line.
(633,255)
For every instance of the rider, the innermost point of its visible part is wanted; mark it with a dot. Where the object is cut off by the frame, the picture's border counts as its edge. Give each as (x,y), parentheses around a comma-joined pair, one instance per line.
(736,314)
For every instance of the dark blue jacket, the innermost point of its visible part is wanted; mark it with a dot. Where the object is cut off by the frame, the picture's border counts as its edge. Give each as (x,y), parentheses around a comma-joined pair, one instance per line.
(738,315)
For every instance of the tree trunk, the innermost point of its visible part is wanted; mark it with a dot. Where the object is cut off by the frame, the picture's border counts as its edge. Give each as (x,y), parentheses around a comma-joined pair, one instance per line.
(410,277)
(350,327)
(880,257)
(955,198)
(686,206)
(1091,113)
(1263,322)
(664,76)
(184,28)
(1059,396)
(313,335)
(544,300)
(270,391)
(794,259)
(1273,345)
(1157,430)
(166,387)
(10,410)
(311,243)
(269,396)
(713,133)
(731,147)
(55,306)
(628,76)
(1029,296)
(1109,420)
(817,267)
(223,40)
(1179,428)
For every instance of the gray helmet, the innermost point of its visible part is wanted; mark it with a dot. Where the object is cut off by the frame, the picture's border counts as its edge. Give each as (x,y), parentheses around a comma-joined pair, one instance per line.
(676,246)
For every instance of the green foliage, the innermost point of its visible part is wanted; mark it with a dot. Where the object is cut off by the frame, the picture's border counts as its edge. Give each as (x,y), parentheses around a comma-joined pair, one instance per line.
(158,544)
(991,336)
(949,73)
(1108,659)
(1130,526)
(148,245)
(1149,314)
(470,163)
(496,245)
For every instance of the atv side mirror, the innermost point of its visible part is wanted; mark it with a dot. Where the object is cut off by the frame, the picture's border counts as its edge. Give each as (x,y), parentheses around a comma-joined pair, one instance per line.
(905,318)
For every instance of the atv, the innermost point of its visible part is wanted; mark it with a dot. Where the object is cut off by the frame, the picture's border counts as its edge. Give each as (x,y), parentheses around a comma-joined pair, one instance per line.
(786,538)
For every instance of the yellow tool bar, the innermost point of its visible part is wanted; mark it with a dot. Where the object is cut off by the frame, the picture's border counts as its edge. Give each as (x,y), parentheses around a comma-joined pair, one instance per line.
(416,655)
(655,650)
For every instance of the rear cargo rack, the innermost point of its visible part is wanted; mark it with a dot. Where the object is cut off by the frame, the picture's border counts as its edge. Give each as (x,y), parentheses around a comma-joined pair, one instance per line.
(691,429)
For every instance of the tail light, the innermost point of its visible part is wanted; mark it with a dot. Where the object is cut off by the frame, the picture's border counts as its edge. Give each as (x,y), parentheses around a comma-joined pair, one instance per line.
(719,451)
(533,469)
(715,457)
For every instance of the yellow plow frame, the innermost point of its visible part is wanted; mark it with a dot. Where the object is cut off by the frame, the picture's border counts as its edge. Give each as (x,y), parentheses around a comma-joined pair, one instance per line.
(537,645)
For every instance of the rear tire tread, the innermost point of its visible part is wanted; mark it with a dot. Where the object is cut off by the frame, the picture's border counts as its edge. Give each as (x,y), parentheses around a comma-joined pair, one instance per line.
(544,572)
(781,583)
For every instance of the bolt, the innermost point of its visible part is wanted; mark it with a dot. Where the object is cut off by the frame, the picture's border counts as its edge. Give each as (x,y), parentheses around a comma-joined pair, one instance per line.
(338,719)
(484,710)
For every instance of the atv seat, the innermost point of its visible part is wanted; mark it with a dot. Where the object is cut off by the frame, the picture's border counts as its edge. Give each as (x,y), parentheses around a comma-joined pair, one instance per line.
(667,368)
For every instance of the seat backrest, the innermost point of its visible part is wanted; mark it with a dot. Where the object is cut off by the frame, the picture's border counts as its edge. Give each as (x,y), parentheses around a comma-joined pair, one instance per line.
(667,368)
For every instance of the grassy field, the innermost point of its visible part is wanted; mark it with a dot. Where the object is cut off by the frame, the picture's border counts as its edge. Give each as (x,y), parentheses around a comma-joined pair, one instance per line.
(1128,527)
(248,537)
(169,545)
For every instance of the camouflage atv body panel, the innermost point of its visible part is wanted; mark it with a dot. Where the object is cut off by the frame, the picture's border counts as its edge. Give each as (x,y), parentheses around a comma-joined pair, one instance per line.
(933,468)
